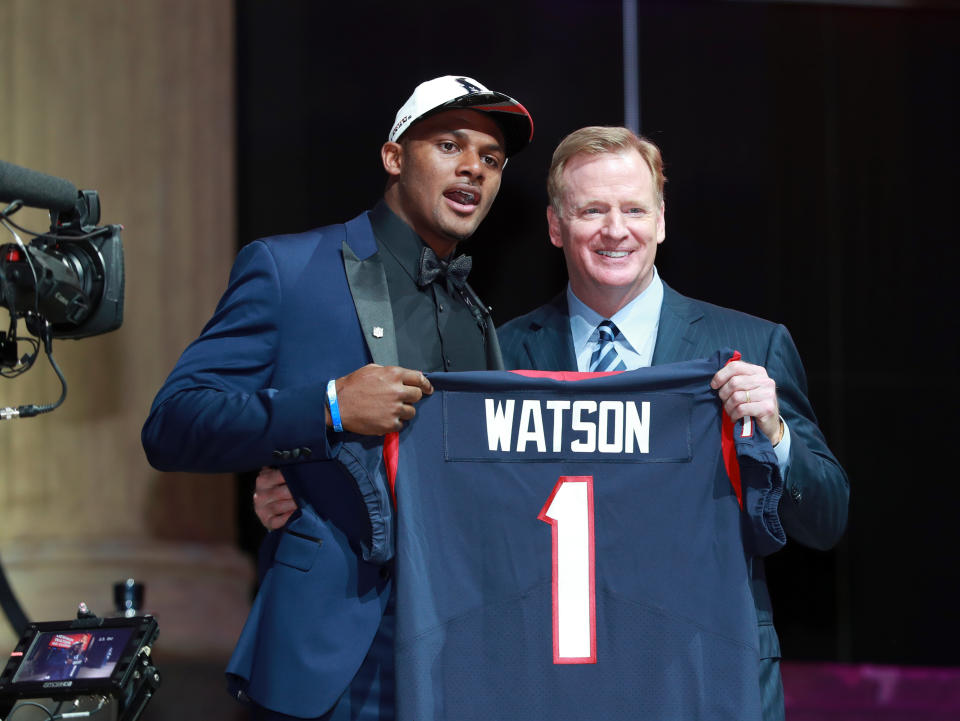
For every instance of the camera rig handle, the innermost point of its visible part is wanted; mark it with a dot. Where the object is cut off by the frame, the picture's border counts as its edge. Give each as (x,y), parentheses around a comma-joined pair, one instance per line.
(146,681)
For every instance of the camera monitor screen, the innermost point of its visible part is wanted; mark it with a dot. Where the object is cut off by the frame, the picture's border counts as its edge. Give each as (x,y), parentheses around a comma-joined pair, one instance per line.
(56,655)
(89,656)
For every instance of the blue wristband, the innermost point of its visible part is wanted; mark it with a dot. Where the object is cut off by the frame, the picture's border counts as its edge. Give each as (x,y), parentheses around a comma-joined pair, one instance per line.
(334,406)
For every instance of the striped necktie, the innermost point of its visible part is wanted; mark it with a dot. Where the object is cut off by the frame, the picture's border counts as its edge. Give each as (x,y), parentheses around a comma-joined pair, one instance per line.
(605,357)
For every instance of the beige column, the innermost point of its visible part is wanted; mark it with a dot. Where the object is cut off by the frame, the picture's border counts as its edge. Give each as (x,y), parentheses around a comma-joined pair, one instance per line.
(132,98)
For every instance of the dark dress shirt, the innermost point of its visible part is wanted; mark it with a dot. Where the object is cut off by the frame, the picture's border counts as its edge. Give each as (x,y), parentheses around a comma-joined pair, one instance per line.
(436,329)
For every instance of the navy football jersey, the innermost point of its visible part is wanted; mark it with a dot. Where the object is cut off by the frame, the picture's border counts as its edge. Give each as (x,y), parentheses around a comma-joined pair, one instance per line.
(571,546)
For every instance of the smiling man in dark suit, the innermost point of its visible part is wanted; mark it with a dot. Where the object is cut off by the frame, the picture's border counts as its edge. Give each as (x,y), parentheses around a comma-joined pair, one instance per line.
(607,214)
(330,331)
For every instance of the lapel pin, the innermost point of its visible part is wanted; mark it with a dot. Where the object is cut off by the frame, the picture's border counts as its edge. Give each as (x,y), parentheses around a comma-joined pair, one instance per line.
(377,332)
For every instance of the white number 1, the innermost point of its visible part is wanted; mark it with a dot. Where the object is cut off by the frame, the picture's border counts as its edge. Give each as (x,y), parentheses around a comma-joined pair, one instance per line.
(569,511)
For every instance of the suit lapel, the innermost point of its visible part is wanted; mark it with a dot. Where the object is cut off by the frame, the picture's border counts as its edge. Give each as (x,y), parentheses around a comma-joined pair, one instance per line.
(492,346)
(550,345)
(368,285)
(675,335)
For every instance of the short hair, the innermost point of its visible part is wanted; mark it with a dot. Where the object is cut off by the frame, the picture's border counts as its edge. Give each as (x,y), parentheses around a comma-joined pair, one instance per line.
(596,140)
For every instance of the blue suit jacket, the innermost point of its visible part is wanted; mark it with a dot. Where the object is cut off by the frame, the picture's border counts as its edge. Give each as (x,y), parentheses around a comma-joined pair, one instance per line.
(249,392)
(814,506)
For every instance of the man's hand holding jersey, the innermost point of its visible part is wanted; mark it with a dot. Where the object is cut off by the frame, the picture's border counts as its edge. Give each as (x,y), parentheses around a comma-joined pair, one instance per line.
(375,400)
(746,390)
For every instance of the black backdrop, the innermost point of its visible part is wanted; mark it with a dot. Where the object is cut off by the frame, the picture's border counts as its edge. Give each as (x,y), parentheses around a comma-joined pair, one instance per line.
(812,161)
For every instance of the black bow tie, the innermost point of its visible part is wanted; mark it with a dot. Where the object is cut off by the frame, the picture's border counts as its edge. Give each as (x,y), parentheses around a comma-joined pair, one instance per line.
(431,267)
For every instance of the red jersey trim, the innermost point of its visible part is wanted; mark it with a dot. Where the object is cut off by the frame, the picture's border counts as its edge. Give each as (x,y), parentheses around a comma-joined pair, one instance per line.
(565,375)
(730,448)
(391,458)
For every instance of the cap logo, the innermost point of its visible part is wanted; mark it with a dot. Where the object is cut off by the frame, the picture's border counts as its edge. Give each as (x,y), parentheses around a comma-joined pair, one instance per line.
(399,124)
(468,86)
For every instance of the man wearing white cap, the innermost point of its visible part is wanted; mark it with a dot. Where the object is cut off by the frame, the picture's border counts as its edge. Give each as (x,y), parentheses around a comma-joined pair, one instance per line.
(328,332)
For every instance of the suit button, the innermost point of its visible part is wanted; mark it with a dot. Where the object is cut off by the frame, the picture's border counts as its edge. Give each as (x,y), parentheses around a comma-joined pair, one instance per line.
(295,453)
(306,452)
(278,454)
(796,495)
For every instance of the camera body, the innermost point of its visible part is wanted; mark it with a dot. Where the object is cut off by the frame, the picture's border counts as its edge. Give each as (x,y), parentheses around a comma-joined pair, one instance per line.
(71,277)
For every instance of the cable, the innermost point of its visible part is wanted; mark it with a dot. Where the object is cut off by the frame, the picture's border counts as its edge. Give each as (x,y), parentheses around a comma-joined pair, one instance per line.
(47,236)
(26,362)
(29,411)
(20,705)
(14,612)
(81,714)
(54,715)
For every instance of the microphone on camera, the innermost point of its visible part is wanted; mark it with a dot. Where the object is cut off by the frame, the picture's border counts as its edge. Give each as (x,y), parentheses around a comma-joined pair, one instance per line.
(38,190)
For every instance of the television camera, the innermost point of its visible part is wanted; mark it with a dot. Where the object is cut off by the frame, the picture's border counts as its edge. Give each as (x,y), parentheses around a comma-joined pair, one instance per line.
(66,283)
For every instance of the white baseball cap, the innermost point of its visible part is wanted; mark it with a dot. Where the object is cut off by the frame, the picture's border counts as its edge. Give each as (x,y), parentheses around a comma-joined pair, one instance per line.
(458,91)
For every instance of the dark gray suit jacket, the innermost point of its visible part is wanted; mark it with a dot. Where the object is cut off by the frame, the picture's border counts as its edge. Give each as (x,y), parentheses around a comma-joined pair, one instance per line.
(814,505)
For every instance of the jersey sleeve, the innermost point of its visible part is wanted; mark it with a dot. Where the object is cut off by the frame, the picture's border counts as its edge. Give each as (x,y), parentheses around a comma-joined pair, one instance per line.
(366,460)
(761,488)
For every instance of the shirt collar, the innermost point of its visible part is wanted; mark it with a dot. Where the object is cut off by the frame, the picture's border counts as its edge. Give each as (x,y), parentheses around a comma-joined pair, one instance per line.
(637,320)
(398,238)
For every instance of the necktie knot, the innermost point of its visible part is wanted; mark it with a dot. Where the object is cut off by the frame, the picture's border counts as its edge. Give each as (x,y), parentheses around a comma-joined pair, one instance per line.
(605,357)
(432,267)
